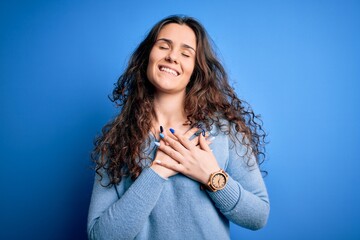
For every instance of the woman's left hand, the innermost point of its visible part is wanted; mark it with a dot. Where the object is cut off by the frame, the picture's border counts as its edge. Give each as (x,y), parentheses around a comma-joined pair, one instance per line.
(196,162)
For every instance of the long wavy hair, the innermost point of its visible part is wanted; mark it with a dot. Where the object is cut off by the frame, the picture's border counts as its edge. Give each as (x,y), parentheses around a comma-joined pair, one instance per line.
(119,150)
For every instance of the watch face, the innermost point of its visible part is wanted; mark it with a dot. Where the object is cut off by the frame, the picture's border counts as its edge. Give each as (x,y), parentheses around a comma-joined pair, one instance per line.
(218,181)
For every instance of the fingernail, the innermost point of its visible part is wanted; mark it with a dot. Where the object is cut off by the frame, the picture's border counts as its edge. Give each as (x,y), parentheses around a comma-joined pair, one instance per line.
(158,161)
(161,129)
(199,125)
(203,132)
(210,138)
(198,132)
(172,130)
(157,143)
(162,135)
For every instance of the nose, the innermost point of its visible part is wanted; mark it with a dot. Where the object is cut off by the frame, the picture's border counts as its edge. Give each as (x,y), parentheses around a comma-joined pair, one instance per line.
(172,57)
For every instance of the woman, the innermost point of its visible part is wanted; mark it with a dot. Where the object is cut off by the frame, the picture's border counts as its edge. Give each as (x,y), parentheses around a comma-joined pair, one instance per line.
(157,177)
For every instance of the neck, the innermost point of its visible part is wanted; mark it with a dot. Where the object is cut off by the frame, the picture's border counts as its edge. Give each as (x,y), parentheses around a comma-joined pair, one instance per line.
(169,110)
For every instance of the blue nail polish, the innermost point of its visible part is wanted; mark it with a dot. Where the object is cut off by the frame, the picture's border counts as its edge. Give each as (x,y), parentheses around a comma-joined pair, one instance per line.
(203,132)
(162,135)
(172,130)
(157,143)
(198,132)
(161,129)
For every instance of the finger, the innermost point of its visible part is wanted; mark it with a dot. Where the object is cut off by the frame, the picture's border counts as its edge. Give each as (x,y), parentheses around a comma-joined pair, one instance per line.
(195,141)
(184,141)
(203,144)
(162,136)
(174,150)
(207,134)
(170,165)
(189,133)
(202,131)
(170,140)
(161,142)
(210,139)
(170,135)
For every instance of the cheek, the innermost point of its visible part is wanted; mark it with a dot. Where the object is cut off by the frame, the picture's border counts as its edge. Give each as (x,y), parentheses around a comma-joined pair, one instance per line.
(151,60)
(154,57)
(150,66)
(190,68)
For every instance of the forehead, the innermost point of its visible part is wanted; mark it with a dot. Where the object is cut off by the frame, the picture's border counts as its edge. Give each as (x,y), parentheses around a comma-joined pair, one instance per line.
(181,34)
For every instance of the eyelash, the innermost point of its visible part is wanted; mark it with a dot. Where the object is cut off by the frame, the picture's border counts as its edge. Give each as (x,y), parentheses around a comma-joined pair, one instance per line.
(166,48)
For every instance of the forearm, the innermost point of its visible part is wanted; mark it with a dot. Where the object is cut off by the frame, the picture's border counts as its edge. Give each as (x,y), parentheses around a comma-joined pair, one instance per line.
(126,216)
(242,207)
(244,200)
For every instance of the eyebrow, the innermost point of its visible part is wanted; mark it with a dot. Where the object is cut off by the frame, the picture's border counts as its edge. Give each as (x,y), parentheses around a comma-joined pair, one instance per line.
(170,42)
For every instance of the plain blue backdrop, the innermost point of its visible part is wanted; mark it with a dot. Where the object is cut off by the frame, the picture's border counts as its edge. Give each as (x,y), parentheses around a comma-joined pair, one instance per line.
(296,62)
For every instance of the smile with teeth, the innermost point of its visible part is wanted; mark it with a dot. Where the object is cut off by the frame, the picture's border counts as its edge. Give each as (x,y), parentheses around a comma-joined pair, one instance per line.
(169,70)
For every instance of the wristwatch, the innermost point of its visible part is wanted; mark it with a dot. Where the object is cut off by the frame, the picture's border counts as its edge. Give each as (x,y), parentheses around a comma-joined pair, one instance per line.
(217,181)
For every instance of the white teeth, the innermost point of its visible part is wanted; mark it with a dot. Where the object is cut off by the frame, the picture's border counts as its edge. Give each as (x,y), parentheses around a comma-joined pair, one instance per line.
(168,70)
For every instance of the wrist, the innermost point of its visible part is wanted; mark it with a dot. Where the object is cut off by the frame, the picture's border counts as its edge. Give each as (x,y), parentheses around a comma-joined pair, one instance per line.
(217,181)
(207,175)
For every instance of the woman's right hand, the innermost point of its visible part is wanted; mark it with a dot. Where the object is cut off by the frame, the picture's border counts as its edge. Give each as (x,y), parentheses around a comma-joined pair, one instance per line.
(163,171)
(160,155)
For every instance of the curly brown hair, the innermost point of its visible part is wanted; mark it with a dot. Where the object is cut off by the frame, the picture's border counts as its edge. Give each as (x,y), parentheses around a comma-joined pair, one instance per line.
(209,99)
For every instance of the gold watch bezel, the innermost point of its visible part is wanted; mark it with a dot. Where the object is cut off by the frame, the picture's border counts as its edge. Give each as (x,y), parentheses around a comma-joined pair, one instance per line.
(210,185)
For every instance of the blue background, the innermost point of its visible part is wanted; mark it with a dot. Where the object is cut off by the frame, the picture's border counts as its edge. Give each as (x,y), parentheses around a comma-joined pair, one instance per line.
(295,62)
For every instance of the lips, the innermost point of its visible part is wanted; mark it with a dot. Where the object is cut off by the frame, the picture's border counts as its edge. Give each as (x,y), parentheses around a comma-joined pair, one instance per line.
(169,70)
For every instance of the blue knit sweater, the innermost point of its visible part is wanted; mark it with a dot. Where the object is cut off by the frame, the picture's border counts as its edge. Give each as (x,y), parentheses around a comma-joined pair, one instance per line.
(152,207)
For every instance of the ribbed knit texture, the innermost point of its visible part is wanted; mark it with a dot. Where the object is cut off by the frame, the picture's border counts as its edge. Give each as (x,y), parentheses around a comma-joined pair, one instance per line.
(156,208)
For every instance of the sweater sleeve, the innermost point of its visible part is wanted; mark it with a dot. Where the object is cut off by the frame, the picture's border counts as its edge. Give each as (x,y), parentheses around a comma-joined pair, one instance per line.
(244,200)
(110,217)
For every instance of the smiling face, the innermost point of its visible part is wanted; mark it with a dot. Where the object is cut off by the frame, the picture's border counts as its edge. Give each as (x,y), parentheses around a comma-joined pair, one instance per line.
(172,58)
